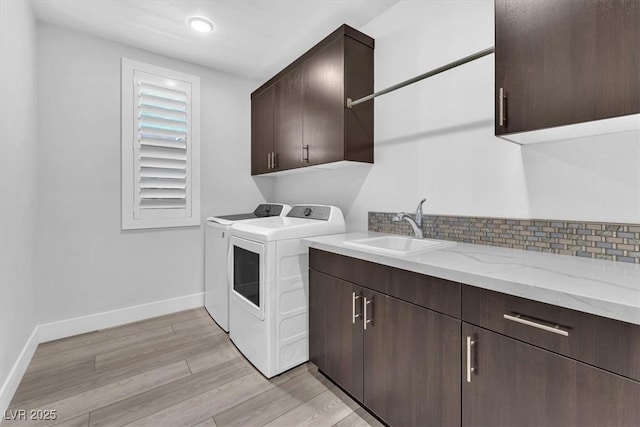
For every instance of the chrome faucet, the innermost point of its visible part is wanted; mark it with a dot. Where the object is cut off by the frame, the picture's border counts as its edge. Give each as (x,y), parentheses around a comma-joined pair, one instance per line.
(419,213)
(415,224)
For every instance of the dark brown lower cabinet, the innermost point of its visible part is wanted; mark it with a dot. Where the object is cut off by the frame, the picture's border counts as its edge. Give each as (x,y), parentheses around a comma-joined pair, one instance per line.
(335,341)
(506,382)
(404,366)
(411,363)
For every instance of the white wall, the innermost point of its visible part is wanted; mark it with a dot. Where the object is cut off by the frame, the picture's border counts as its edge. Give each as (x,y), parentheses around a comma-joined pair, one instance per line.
(18,201)
(595,178)
(86,264)
(435,139)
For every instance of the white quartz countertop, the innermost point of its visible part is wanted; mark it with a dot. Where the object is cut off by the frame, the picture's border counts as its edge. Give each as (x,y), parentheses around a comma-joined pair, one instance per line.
(605,288)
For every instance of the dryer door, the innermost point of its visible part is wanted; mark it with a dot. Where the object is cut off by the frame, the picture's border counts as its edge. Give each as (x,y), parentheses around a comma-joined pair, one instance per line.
(247,275)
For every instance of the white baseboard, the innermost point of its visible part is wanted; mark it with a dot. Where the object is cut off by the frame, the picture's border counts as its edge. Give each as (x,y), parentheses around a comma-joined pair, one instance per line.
(93,322)
(17,371)
(80,325)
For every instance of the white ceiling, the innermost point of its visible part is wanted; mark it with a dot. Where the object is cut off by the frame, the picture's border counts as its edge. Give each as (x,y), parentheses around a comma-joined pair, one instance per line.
(252,38)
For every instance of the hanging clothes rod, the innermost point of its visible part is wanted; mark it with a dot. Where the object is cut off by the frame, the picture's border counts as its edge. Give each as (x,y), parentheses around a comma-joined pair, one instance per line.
(473,57)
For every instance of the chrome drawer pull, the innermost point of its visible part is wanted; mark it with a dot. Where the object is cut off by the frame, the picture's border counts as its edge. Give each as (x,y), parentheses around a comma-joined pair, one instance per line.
(366,320)
(470,369)
(519,319)
(354,316)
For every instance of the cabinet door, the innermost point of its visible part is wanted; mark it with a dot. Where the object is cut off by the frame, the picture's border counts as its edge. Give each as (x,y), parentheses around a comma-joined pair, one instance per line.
(411,363)
(513,383)
(564,62)
(323,111)
(261,131)
(288,120)
(335,339)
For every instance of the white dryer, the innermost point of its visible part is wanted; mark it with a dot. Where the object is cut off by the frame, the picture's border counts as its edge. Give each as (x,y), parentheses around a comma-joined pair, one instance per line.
(269,294)
(216,245)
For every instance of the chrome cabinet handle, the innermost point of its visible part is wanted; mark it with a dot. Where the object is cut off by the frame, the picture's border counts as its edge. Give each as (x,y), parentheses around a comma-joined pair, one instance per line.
(275,160)
(354,316)
(366,320)
(305,158)
(501,116)
(470,368)
(271,160)
(518,318)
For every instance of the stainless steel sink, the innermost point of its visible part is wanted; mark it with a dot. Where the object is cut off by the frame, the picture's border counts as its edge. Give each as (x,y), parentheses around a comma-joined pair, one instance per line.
(397,245)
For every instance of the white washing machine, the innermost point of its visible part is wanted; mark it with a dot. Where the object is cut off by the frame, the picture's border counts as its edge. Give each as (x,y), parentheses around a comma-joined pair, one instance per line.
(269,294)
(216,245)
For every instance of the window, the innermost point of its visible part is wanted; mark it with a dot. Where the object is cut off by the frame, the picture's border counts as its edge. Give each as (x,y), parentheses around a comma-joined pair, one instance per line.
(160,147)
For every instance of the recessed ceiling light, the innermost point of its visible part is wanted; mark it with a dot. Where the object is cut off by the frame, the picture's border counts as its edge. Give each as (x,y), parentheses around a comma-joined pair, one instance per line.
(200,24)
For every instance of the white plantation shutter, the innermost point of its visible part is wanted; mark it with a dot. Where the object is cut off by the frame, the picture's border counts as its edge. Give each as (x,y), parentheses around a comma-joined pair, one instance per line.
(163,147)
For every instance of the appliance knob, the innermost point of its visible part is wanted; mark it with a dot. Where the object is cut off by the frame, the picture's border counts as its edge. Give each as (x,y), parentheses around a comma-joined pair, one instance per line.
(307,212)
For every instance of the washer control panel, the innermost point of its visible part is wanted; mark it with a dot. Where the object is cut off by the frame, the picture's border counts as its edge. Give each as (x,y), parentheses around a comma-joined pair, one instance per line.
(267,210)
(321,213)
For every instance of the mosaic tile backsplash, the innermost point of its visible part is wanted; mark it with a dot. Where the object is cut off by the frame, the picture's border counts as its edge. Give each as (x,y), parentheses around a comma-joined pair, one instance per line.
(601,240)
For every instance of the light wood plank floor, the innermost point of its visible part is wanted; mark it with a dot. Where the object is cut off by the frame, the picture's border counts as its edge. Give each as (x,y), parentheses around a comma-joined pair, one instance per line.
(175,370)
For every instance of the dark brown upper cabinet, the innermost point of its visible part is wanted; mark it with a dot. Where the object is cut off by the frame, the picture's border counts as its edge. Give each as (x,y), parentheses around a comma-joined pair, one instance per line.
(306,104)
(262,131)
(566,62)
(287,115)
(323,107)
